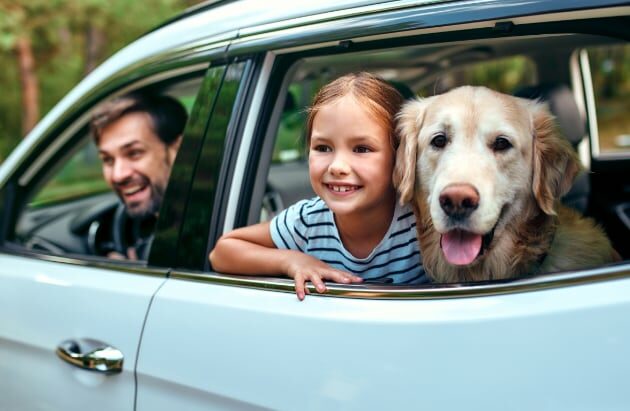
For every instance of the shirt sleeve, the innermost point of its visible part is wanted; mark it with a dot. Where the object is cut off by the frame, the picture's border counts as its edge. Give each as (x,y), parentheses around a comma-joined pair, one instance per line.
(287,230)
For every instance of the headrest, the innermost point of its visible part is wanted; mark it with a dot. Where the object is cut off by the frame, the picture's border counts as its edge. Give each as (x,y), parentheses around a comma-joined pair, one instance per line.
(561,103)
(403,89)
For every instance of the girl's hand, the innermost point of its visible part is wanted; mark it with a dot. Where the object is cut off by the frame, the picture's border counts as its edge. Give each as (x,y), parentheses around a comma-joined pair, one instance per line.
(303,268)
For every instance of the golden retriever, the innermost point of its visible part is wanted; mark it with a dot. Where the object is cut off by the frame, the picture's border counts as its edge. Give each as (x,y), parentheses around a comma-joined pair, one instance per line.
(484,172)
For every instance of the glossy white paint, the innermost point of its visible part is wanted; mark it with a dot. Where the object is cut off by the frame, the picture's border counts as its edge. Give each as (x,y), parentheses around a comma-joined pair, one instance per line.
(208,347)
(43,303)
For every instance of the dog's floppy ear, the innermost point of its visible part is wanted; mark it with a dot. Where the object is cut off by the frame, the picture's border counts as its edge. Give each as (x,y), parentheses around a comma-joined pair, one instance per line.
(409,121)
(555,162)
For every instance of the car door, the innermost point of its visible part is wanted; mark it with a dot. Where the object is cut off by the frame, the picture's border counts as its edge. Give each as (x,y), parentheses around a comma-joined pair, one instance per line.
(53,311)
(71,323)
(214,341)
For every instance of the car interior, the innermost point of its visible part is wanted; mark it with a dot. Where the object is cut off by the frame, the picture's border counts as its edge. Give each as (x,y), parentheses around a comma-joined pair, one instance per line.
(573,73)
(68,209)
(549,68)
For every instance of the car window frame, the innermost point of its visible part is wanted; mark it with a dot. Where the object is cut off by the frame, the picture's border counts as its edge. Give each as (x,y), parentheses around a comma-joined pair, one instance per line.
(73,129)
(289,46)
(589,102)
(192,221)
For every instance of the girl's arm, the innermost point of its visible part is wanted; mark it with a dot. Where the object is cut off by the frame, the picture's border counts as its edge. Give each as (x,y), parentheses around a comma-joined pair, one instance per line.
(250,250)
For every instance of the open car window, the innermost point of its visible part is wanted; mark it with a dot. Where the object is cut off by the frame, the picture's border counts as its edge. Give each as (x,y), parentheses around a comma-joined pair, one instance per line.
(66,205)
(537,67)
(288,180)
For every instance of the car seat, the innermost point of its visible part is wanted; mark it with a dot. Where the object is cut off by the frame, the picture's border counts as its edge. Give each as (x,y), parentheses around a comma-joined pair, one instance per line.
(562,105)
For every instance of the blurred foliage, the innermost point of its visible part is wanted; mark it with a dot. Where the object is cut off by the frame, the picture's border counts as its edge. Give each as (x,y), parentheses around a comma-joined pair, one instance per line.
(79,176)
(610,69)
(68,37)
(505,75)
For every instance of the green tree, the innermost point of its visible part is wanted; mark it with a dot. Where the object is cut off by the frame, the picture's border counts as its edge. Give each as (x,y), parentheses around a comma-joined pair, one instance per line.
(47,46)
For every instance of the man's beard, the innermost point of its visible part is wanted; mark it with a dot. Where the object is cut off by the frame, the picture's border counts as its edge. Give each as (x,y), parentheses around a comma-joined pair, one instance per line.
(142,210)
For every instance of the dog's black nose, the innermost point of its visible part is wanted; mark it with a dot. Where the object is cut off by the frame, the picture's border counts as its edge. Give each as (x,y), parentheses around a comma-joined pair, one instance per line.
(459,200)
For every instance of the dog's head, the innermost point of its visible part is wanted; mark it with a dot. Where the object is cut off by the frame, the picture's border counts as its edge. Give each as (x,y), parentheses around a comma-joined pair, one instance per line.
(473,159)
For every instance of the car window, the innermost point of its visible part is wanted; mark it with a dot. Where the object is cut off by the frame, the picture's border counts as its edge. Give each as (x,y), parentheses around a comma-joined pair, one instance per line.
(81,176)
(610,73)
(69,207)
(540,68)
(288,179)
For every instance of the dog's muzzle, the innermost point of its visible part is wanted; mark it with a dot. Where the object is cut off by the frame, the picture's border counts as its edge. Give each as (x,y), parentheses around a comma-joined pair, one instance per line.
(461,247)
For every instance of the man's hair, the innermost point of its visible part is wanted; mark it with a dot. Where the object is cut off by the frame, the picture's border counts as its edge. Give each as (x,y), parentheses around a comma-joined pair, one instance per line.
(167,115)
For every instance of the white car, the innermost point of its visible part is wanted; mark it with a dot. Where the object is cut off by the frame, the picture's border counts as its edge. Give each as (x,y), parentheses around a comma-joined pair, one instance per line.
(82,332)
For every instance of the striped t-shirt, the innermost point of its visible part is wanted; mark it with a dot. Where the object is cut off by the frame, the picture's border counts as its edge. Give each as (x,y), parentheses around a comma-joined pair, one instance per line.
(309,226)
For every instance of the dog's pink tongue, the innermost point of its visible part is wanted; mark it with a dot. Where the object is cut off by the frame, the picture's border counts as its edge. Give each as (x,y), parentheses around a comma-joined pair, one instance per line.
(460,247)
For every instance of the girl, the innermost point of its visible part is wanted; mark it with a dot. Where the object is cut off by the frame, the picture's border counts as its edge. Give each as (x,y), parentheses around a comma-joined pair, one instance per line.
(354,230)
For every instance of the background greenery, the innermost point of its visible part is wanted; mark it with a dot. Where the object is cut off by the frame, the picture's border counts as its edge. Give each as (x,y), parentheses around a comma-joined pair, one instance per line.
(67,39)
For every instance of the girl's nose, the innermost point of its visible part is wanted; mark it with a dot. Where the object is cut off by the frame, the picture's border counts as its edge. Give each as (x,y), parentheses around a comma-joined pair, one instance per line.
(339,166)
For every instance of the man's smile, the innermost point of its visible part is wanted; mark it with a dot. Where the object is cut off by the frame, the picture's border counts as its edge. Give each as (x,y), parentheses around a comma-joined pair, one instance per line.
(134,190)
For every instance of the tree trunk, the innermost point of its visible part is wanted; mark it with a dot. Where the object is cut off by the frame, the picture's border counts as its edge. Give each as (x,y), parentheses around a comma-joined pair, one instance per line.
(94,42)
(30,88)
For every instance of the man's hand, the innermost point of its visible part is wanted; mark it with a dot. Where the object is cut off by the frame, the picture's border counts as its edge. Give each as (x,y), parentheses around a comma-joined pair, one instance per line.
(131,255)
(303,268)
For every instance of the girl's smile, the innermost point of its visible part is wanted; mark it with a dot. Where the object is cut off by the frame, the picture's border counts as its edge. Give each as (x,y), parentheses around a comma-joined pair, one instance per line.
(341,189)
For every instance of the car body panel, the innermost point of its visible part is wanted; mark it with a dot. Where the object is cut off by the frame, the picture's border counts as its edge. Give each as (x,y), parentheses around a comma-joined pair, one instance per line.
(236,347)
(44,303)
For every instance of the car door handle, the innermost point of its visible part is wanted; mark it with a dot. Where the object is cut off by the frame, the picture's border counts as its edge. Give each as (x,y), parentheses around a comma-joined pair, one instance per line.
(91,355)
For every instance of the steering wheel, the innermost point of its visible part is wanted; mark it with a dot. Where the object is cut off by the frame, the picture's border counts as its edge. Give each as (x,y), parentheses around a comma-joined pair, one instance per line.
(106,228)
(37,243)
(119,230)
(127,232)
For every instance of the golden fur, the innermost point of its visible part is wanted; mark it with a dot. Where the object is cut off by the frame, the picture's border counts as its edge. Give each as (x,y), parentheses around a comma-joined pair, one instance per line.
(518,188)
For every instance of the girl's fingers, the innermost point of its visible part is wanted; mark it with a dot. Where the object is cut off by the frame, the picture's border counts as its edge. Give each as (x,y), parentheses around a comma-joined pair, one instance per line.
(317,279)
(318,283)
(299,287)
(343,277)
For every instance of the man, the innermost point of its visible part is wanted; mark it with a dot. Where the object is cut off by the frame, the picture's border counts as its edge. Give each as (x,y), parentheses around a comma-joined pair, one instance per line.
(137,137)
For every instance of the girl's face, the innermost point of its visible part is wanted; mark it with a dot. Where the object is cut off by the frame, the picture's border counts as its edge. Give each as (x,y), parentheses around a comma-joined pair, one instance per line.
(351,159)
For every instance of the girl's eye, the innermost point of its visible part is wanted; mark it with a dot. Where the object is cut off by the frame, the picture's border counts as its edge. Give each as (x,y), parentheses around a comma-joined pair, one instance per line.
(439,140)
(322,148)
(501,144)
(362,149)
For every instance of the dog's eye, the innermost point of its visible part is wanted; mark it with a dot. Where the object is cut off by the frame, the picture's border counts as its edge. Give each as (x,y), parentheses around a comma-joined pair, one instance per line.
(501,144)
(439,141)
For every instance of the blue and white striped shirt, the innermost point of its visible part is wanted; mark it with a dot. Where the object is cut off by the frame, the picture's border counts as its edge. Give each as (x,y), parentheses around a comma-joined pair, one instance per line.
(309,226)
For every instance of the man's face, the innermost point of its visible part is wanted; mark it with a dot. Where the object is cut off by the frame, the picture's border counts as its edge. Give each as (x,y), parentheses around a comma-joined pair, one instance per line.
(136,163)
